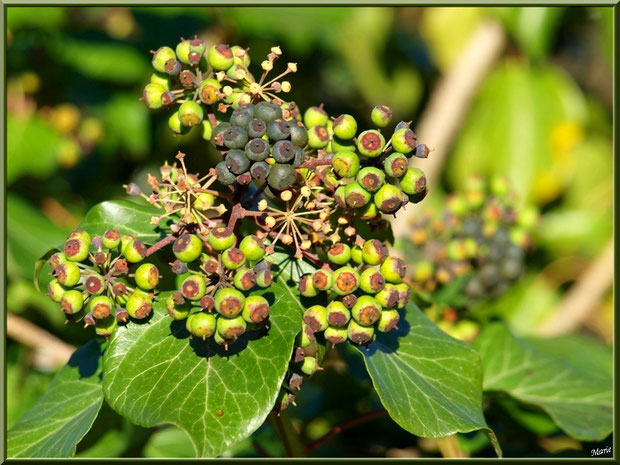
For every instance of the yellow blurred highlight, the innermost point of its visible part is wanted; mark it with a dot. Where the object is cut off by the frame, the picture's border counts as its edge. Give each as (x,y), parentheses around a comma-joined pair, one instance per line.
(65,118)
(119,23)
(91,130)
(30,82)
(68,153)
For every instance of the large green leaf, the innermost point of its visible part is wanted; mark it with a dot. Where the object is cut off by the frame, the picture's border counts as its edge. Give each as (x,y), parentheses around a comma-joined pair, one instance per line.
(579,400)
(430,383)
(57,421)
(155,374)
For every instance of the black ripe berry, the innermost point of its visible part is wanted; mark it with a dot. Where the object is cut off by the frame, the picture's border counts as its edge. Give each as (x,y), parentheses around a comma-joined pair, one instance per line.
(235,137)
(237,162)
(223,174)
(257,128)
(257,149)
(283,151)
(281,176)
(278,129)
(260,170)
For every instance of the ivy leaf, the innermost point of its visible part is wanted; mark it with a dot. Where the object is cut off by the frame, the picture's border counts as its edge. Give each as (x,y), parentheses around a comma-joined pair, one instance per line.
(579,401)
(59,420)
(430,383)
(154,374)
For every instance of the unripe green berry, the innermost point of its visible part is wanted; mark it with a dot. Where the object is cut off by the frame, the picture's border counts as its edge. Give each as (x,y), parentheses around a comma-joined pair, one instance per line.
(72,302)
(322,280)
(178,308)
(341,145)
(76,249)
(94,284)
(346,164)
(264,278)
(374,252)
(220,57)
(339,196)
(139,305)
(388,321)
(309,366)
(404,140)
(366,310)
(182,51)
(101,306)
(368,212)
(125,241)
(315,116)
(381,115)
(371,281)
(255,309)
(339,253)
(221,238)
(147,276)
(414,184)
(355,195)
(174,123)
(111,239)
(336,335)
(370,143)
(389,198)
(233,258)
(204,201)
(252,247)
(318,137)
(395,165)
(229,302)
(241,56)
(244,279)
(152,95)
(80,234)
(68,274)
(345,280)
(306,287)
(359,334)
(371,178)
(161,57)
(231,328)
(57,259)
(162,79)
(190,113)
(357,255)
(194,287)
(135,251)
(337,313)
(55,290)
(388,296)
(316,318)
(106,326)
(345,127)
(201,324)
(393,269)
(208,91)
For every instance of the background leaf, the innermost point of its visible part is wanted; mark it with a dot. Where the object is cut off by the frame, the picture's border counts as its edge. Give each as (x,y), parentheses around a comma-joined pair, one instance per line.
(57,421)
(429,382)
(579,401)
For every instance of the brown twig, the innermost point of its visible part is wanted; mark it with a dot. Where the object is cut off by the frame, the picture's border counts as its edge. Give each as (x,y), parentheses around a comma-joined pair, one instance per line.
(345,426)
(583,297)
(314,162)
(161,244)
(46,344)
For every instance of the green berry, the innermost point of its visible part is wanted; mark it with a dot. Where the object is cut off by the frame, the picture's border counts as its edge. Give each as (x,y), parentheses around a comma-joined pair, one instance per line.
(255,309)
(337,313)
(94,284)
(318,137)
(178,308)
(233,258)
(393,269)
(389,198)
(201,324)
(135,251)
(106,326)
(404,294)
(264,278)
(208,91)
(381,115)
(306,287)
(229,302)
(316,318)
(395,165)
(231,328)
(68,274)
(322,280)
(174,123)
(76,249)
(404,140)
(161,79)
(182,51)
(339,196)
(57,259)
(336,335)
(244,279)
(371,178)
(388,296)
(80,234)
(345,280)
(359,334)
(190,113)
(356,255)
(220,57)
(355,195)
(72,302)
(242,57)
(139,305)
(366,310)
(315,116)
(204,201)
(371,281)
(345,127)
(162,56)
(221,238)
(125,240)
(341,145)
(370,143)
(194,287)
(252,247)
(281,176)
(267,111)
(388,321)
(152,95)
(368,212)
(306,336)
(374,252)
(111,239)
(101,306)
(147,276)
(310,366)
(55,290)
(346,164)
(413,183)
(339,254)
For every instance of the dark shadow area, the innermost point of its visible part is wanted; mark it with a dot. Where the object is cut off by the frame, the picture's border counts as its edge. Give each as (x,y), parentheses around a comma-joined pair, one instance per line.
(389,342)
(87,358)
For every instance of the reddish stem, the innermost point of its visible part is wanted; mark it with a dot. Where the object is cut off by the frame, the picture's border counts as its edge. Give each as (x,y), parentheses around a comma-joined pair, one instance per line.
(314,162)
(159,245)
